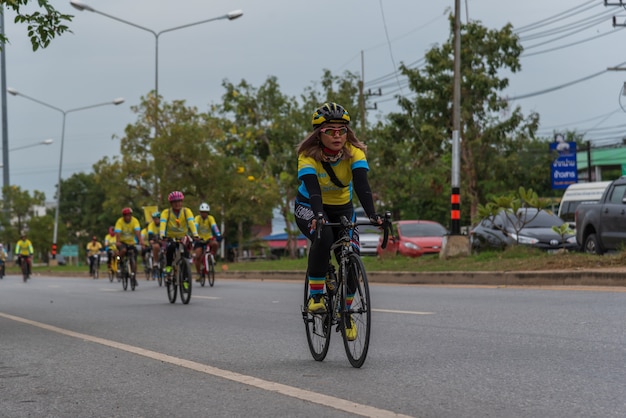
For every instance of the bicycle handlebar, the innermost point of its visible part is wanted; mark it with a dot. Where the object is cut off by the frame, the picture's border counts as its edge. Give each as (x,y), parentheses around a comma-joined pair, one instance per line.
(345,223)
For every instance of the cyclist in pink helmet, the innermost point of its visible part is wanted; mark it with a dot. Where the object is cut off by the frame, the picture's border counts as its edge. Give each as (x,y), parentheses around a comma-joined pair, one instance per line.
(176,222)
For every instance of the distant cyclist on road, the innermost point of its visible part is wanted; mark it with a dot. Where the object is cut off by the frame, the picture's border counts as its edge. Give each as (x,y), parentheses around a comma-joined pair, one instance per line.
(128,235)
(153,230)
(93,253)
(24,248)
(109,246)
(208,232)
(176,223)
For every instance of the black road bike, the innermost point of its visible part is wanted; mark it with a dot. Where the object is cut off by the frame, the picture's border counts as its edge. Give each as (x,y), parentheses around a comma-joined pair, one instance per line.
(180,280)
(349,278)
(127,264)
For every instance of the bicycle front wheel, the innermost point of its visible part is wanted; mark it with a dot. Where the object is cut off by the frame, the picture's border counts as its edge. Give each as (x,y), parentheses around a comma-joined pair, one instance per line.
(318,326)
(356,320)
(124,277)
(172,288)
(211,273)
(184,280)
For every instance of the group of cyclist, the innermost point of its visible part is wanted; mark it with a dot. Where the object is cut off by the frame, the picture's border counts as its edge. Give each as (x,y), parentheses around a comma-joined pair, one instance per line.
(173,223)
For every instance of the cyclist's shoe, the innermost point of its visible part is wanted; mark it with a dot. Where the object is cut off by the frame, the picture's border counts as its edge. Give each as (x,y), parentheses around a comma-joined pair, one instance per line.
(186,284)
(168,274)
(316,304)
(351,331)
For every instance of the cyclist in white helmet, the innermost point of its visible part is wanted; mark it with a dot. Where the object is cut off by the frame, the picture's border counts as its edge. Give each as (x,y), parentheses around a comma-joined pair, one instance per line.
(208,232)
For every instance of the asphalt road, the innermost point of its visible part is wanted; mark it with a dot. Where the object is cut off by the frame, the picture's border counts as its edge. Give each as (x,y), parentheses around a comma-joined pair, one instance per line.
(85,348)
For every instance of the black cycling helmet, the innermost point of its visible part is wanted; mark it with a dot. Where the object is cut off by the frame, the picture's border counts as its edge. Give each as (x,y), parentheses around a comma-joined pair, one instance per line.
(330,112)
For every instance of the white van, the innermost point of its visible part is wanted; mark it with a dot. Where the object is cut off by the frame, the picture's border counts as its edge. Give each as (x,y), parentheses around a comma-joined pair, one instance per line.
(577,193)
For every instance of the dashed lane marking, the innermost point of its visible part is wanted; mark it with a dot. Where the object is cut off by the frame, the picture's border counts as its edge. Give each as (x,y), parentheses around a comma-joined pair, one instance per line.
(403,312)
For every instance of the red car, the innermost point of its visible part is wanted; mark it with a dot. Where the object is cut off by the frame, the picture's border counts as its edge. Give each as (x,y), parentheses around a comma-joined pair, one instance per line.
(414,238)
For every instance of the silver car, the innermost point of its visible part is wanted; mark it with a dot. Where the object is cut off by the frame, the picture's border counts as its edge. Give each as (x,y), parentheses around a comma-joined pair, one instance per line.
(368,237)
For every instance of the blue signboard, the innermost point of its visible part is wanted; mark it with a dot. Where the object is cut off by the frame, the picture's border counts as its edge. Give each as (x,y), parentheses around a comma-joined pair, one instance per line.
(564,169)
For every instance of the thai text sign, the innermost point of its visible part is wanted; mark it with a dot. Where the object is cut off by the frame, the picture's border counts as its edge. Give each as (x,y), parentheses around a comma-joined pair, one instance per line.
(564,169)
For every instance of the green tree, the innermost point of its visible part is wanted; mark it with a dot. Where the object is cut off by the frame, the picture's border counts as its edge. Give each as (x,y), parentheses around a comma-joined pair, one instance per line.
(18,214)
(81,211)
(43,24)
(489,126)
(263,124)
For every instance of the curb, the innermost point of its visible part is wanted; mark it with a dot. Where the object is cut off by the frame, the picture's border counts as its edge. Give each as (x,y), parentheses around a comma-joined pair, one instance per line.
(495,278)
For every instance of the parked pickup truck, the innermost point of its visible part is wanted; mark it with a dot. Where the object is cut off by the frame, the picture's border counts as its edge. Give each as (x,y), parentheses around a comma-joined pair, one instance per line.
(601,226)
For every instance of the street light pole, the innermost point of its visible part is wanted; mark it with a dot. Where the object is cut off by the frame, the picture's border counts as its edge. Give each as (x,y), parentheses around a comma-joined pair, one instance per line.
(230,16)
(116,102)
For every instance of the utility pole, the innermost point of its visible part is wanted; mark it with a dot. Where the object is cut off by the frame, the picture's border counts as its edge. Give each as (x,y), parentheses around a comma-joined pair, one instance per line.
(456,244)
(363,97)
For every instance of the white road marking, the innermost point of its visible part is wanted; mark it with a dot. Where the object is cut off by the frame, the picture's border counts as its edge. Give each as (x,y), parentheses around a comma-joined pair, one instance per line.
(305,395)
(205,297)
(403,312)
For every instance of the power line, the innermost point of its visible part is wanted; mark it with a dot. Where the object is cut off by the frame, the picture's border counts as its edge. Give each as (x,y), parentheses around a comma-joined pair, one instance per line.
(561,86)
(524,55)
(560,15)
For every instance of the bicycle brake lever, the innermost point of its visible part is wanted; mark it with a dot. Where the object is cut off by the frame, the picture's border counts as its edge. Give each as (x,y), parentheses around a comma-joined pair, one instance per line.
(318,224)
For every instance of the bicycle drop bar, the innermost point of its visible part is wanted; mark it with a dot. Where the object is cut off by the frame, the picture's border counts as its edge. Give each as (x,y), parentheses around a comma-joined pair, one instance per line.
(346,224)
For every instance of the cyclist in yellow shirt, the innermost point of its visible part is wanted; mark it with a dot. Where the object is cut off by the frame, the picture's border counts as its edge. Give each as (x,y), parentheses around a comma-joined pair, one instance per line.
(93,252)
(209,234)
(24,248)
(153,235)
(109,246)
(128,235)
(176,222)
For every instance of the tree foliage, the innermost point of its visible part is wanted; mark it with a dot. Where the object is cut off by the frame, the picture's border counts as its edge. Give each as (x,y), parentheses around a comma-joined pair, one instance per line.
(489,126)
(43,24)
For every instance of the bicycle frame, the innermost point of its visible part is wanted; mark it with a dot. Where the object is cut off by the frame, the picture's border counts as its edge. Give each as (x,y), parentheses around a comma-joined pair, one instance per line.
(181,275)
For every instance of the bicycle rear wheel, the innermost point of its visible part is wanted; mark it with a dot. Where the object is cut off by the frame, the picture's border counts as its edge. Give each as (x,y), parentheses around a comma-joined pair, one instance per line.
(359,314)
(184,280)
(318,326)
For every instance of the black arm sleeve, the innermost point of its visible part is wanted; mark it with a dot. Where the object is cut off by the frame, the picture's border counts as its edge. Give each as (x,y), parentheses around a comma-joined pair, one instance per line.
(315,192)
(363,191)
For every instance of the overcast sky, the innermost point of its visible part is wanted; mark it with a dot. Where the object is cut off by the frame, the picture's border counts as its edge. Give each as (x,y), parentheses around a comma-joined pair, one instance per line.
(293,40)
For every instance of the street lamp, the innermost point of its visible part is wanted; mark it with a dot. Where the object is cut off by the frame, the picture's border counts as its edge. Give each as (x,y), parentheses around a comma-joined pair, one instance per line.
(44,142)
(230,16)
(116,102)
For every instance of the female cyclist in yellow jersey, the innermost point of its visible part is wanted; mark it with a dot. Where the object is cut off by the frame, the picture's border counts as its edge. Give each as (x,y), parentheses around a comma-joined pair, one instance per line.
(331,166)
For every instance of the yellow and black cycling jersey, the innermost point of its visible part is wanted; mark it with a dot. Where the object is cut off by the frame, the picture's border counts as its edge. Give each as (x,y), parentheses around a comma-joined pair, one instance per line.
(331,193)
